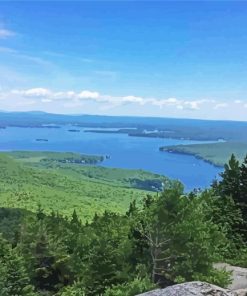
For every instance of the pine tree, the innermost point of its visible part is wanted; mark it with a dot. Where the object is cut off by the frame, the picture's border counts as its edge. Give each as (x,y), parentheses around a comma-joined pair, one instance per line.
(234,185)
(230,183)
(75,220)
(14,279)
(243,194)
(132,209)
(45,253)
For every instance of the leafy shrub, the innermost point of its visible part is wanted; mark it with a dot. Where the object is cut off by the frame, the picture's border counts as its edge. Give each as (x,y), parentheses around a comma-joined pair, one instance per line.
(217,277)
(240,259)
(74,290)
(132,288)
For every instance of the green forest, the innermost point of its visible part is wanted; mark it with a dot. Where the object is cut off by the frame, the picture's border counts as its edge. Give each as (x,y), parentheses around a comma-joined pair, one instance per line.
(68,230)
(29,181)
(214,153)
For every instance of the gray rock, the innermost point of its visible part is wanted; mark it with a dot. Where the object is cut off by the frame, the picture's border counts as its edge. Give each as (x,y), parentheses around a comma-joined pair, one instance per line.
(191,289)
(241,292)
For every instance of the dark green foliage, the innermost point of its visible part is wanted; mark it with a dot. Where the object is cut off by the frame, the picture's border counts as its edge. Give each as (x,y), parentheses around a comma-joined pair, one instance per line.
(234,185)
(137,286)
(229,210)
(178,238)
(230,183)
(74,290)
(167,240)
(243,190)
(169,237)
(61,157)
(104,253)
(46,255)
(14,279)
(223,212)
(220,278)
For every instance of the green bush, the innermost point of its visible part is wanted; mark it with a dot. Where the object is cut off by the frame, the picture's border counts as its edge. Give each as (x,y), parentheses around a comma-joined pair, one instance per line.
(74,290)
(132,288)
(217,277)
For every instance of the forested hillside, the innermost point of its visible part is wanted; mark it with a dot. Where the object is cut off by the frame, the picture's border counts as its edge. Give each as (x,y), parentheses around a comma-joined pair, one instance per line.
(64,187)
(215,153)
(120,250)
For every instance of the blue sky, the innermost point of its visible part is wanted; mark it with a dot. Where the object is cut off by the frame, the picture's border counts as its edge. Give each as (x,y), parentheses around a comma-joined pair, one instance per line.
(171,59)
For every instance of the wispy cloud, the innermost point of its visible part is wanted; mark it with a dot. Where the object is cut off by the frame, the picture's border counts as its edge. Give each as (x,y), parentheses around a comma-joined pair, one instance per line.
(220,106)
(26,56)
(105,73)
(7,50)
(68,56)
(4,33)
(48,95)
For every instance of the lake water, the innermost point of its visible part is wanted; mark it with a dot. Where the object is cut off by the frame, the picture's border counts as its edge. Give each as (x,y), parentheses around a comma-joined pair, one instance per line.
(125,152)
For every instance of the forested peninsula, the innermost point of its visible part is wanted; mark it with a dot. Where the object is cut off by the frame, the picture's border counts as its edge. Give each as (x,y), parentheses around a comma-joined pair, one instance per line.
(214,153)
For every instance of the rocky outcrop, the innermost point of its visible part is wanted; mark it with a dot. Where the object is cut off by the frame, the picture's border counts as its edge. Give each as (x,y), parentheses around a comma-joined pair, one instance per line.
(191,289)
(241,292)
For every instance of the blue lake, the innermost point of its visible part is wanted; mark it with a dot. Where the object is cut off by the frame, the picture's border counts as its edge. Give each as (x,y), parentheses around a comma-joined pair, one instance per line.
(125,152)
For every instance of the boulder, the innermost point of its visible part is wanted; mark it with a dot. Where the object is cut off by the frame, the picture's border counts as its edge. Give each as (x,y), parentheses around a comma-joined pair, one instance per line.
(241,292)
(191,289)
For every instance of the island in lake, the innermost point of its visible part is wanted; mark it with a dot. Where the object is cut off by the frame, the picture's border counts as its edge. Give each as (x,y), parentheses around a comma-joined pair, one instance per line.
(74,130)
(41,140)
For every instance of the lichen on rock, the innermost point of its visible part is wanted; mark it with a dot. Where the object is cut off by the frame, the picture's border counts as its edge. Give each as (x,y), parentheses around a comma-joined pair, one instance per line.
(191,289)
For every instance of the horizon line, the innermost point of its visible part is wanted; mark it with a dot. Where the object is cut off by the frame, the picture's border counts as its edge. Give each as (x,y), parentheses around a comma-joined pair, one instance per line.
(126,116)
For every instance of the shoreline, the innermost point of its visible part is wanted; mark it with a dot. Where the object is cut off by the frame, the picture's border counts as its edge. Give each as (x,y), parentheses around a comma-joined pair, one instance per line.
(177,151)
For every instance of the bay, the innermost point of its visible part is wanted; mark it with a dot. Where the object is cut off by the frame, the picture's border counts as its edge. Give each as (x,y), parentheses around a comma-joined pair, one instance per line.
(124,151)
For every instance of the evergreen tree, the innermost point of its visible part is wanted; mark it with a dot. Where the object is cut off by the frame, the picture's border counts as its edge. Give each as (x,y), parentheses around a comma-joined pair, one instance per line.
(234,185)
(223,212)
(243,189)
(103,249)
(14,278)
(230,183)
(182,241)
(75,220)
(45,254)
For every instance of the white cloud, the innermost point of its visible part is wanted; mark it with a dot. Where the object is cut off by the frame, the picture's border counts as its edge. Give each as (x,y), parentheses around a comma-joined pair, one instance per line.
(88,101)
(164,102)
(4,33)
(193,105)
(48,95)
(220,106)
(46,100)
(86,94)
(132,99)
(34,92)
